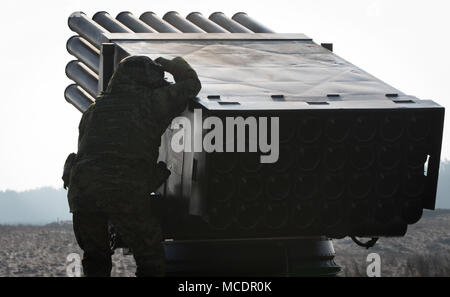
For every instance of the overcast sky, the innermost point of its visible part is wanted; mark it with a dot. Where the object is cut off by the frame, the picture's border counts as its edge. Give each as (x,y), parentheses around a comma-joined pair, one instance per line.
(404,43)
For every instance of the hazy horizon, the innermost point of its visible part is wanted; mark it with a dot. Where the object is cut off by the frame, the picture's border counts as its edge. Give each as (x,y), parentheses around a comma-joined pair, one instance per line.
(46,204)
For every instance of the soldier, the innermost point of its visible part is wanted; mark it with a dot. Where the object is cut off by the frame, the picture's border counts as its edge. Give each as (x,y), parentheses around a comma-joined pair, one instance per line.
(116,167)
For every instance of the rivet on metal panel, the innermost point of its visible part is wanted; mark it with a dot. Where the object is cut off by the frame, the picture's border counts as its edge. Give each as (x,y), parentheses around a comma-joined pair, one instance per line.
(389,156)
(364,128)
(248,215)
(418,127)
(250,187)
(385,211)
(362,156)
(309,158)
(388,184)
(306,186)
(333,186)
(335,157)
(310,129)
(277,215)
(222,187)
(360,184)
(392,127)
(337,128)
(278,187)
(303,215)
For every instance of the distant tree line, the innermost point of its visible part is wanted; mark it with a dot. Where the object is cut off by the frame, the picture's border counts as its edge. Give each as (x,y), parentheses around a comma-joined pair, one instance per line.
(443,197)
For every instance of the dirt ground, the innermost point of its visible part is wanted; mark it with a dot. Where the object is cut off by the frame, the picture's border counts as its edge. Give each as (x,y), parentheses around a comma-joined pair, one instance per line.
(424,251)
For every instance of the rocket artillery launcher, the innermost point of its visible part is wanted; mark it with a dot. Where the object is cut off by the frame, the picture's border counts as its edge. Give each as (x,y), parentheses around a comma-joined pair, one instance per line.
(357,157)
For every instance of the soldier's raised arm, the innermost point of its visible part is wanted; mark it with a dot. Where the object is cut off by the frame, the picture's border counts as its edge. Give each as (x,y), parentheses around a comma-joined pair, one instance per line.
(171,100)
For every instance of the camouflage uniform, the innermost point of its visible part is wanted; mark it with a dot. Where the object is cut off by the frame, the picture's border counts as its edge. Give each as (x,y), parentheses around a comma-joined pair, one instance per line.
(119,138)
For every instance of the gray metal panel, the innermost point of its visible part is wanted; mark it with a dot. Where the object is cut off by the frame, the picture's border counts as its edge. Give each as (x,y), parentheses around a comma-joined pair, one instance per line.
(243,19)
(227,23)
(108,22)
(157,23)
(86,28)
(84,51)
(210,27)
(257,69)
(181,23)
(132,22)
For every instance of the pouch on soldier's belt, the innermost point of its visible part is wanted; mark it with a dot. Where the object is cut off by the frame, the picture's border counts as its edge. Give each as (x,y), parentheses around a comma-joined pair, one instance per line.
(68,165)
(161,174)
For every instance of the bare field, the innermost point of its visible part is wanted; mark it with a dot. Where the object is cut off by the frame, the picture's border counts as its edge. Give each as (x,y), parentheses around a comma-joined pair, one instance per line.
(424,251)
(42,251)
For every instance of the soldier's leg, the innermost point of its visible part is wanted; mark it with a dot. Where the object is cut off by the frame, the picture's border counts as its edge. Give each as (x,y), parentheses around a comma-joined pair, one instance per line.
(142,233)
(91,232)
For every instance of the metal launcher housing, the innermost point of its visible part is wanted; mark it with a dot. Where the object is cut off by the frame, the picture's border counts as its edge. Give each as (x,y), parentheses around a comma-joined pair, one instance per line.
(357,156)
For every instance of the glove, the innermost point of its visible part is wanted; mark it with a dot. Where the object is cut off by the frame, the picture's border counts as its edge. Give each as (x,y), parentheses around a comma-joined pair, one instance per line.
(165,63)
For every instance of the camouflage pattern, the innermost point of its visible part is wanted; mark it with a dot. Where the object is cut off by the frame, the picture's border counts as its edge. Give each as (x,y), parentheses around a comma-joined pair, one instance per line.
(141,232)
(116,169)
(120,134)
(68,165)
